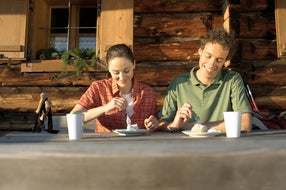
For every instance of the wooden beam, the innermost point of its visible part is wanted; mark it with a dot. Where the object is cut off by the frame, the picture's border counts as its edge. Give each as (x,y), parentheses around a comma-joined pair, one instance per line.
(25,99)
(55,66)
(116,26)
(172,6)
(11,48)
(280,20)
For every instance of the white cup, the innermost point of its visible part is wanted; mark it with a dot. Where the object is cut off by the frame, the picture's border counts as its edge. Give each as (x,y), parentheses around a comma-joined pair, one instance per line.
(232,122)
(75,125)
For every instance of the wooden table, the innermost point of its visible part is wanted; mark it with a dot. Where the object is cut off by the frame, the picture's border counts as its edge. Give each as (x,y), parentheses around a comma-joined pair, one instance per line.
(256,160)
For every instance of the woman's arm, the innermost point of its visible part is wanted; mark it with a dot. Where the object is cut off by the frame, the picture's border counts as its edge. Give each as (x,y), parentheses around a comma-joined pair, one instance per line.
(115,103)
(88,114)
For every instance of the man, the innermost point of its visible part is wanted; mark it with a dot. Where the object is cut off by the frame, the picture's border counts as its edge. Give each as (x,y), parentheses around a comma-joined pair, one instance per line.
(207,90)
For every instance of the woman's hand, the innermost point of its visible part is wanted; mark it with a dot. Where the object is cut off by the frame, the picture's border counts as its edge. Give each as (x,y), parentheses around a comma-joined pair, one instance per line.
(116,103)
(151,123)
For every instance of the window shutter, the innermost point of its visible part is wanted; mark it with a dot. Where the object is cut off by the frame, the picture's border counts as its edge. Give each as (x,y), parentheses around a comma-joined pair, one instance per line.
(280,20)
(13,24)
(115,25)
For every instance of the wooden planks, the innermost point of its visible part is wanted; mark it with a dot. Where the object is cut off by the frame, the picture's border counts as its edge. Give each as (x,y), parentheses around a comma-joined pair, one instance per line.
(172,6)
(181,25)
(11,48)
(25,99)
(55,66)
(280,20)
(13,36)
(21,92)
(114,25)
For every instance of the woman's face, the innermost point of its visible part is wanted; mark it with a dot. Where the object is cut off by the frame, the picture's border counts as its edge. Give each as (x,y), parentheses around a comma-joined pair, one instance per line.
(121,70)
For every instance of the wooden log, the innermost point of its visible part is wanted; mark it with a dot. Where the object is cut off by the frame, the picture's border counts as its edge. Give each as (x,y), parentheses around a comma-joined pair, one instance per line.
(167,52)
(25,99)
(56,65)
(178,25)
(20,121)
(264,73)
(258,49)
(257,25)
(152,73)
(161,73)
(23,95)
(176,6)
(22,99)
(253,5)
(12,76)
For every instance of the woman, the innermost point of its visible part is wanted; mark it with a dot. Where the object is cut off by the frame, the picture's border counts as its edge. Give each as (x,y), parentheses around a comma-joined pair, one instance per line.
(111,101)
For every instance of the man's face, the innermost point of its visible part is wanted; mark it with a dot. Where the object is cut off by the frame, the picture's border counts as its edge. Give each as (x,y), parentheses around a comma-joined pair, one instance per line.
(212,59)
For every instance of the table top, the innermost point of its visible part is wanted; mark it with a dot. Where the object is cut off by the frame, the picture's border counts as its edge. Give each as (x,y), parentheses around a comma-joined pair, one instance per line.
(154,143)
(159,160)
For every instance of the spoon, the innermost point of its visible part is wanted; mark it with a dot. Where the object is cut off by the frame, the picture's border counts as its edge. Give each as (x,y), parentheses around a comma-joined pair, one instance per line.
(197,118)
(128,121)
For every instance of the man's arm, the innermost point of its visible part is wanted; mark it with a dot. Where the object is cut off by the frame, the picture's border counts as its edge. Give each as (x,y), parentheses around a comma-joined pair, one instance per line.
(170,127)
(246,123)
(180,121)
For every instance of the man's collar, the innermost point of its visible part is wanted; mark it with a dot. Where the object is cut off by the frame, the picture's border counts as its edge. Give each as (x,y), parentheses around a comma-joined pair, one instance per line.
(195,81)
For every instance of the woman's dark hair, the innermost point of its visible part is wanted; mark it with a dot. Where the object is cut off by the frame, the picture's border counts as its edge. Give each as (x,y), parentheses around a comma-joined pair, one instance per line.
(119,50)
(221,36)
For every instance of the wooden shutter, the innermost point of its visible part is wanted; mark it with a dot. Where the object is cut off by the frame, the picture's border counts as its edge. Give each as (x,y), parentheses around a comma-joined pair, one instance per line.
(115,25)
(13,24)
(280,20)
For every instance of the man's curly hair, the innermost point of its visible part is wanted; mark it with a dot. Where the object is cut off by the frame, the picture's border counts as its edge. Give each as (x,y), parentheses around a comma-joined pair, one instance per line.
(221,36)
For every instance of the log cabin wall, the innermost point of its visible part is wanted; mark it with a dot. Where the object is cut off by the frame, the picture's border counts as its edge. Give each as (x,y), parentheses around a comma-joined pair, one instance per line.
(166,40)
(254,24)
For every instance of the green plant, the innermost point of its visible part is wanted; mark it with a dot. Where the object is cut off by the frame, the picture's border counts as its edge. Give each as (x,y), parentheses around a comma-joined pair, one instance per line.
(81,59)
(50,53)
(78,59)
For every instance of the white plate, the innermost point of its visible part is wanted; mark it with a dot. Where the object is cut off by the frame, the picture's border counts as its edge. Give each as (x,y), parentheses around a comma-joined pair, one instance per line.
(201,134)
(125,132)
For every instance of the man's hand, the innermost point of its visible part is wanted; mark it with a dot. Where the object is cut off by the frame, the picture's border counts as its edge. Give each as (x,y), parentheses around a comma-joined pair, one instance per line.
(182,117)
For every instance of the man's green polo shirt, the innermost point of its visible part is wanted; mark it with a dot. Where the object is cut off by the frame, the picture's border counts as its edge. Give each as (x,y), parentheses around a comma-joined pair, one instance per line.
(225,93)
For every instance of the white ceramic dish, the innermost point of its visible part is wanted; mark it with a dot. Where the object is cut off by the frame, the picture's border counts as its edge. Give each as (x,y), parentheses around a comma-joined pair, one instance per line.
(201,134)
(125,132)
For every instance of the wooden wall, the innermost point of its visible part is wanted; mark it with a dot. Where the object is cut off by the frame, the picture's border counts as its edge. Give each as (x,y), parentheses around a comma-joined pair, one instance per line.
(254,23)
(166,40)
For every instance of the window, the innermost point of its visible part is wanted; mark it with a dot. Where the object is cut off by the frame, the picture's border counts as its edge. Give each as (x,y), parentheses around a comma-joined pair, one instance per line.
(84,24)
(73,27)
